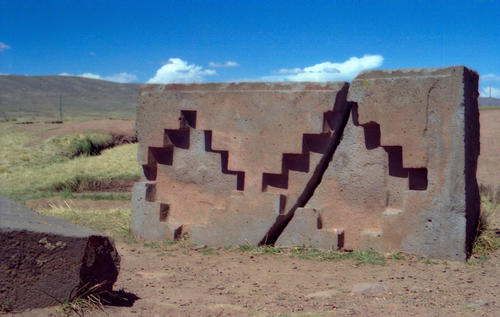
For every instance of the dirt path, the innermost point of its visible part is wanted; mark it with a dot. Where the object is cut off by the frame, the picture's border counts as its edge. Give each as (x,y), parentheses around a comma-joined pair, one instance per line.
(488,171)
(179,281)
(123,130)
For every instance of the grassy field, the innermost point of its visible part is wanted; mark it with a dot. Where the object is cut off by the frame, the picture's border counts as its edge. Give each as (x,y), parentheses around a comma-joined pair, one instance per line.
(31,168)
(490,108)
(114,222)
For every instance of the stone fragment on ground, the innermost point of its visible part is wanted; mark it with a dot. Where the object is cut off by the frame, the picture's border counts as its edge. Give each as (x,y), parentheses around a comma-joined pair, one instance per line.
(369,289)
(153,275)
(45,260)
(323,294)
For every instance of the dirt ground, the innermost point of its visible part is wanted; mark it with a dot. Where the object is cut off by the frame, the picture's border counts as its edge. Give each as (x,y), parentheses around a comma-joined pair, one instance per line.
(488,170)
(180,281)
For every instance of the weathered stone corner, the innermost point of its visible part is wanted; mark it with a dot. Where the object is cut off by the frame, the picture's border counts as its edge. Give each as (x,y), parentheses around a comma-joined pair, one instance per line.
(388,162)
(45,260)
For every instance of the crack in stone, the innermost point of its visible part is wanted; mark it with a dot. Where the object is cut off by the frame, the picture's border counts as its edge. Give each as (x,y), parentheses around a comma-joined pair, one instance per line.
(282,220)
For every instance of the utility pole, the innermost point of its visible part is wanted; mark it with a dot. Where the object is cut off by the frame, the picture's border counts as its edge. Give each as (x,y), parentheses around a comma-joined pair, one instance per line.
(60,109)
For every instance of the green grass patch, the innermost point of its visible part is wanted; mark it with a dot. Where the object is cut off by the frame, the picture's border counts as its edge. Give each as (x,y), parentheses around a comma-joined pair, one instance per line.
(264,249)
(9,119)
(13,151)
(114,222)
(98,196)
(5,307)
(80,173)
(208,251)
(31,169)
(397,256)
(489,108)
(159,244)
(23,149)
(428,261)
(360,257)
(71,145)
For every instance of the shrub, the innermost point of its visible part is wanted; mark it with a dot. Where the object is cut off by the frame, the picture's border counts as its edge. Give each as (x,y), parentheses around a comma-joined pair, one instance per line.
(72,145)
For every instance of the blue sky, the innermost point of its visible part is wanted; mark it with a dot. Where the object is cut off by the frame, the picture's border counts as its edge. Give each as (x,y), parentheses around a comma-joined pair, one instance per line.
(183,41)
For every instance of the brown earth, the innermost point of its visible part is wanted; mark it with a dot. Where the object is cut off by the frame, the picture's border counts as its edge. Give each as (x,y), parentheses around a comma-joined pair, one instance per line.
(122,131)
(488,170)
(181,281)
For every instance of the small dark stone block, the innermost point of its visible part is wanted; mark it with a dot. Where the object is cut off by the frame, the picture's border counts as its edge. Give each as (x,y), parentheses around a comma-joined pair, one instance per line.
(44,260)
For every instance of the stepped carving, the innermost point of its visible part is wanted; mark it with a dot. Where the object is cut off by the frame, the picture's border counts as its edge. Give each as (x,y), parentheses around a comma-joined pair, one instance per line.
(387,162)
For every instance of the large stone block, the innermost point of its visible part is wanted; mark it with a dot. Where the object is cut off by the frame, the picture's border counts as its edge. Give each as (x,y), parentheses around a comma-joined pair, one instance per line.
(389,163)
(404,176)
(228,161)
(44,260)
(245,221)
(151,220)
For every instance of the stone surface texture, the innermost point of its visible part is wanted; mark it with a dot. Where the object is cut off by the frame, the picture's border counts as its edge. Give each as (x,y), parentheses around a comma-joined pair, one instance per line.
(388,163)
(427,121)
(306,229)
(44,260)
(228,161)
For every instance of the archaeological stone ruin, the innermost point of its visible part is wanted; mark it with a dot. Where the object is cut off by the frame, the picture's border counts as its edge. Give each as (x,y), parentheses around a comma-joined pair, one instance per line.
(46,261)
(386,162)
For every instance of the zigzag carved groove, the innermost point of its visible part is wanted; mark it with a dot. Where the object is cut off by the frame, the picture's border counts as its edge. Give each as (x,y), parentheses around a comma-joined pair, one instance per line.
(224,160)
(417,177)
(300,162)
(180,138)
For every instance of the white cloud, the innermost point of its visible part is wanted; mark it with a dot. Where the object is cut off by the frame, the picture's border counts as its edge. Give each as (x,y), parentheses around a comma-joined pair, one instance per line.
(3,47)
(117,78)
(328,71)
(490,77)
(90,75)
(226,64)
(179,71)
(121,77)
(288,71)
(495,92)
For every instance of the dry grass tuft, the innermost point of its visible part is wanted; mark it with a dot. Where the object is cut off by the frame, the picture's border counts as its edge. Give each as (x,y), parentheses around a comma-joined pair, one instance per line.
(114,222)
(487,239)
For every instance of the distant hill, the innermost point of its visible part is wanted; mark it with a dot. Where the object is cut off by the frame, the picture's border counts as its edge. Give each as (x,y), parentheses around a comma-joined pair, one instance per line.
(489,102)
(38,96)
(25,96)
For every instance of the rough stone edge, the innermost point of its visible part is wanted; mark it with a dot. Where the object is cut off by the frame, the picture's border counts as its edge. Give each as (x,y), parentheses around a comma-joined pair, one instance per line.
(472,150)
